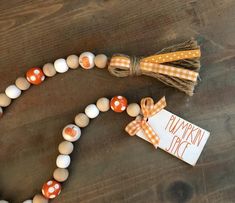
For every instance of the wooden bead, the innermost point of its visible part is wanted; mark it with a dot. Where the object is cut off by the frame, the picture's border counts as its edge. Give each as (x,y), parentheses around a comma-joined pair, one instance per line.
(71,133)
(22,83)
(26,201)
(86,60)
(39,199)
(65,147)
(49,70)
(61,66)
(118,104)
(13,92)
(72,61)
(133,109)
(51,189)
(103,104)
(92,111)
(82,120)
(4,100)
(61,174)
(101,61)
(63,161)
(35,76)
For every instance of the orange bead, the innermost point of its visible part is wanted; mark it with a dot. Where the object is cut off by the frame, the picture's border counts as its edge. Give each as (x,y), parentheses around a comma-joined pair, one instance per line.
(35,76)
(118,104)
(51,189)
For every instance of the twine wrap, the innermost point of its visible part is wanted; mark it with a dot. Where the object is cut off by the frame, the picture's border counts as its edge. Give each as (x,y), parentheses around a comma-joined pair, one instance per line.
(176,66)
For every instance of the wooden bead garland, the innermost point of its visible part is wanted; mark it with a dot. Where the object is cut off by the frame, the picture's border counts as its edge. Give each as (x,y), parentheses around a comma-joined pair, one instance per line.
(71,132)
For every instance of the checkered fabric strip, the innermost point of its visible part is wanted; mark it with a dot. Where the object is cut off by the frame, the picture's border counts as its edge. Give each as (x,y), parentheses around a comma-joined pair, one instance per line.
(152,136)
(173,56)
(133,127)
(169,70)
(120,61)
(149,108)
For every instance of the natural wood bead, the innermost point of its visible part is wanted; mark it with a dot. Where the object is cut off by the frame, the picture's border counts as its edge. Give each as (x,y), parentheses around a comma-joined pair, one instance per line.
(13,92)
(65,147)
(82,120)
(4,100)
(133,109)
(72,61)
(39,199)
(49,70)
(103,104)
(61,174)
(22,83)
(101,61)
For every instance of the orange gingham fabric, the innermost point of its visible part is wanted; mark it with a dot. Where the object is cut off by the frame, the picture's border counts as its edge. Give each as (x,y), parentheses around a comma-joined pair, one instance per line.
(153,64)
(148,109)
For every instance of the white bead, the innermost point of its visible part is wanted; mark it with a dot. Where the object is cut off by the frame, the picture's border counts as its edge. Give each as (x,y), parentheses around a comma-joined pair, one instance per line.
(92,111)
(3,201)
(13,92)
(63,161)
(61,65)
(86,60)
(71,133)
(28,201)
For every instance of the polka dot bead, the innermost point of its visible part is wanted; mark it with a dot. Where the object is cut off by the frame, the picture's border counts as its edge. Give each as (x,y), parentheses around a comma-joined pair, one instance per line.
(51,189)
(86,60)
(71,133)
(118,104)
(63,161)
(35,76)
(13,92)
(61,66)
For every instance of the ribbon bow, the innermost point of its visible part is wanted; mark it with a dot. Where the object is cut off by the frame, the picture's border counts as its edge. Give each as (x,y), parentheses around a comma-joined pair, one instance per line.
(148,109)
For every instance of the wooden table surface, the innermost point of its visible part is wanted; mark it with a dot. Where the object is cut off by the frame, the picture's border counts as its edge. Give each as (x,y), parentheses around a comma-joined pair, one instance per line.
(108,165)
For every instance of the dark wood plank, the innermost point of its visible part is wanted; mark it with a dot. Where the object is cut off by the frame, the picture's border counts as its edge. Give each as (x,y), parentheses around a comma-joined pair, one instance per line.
(109,166)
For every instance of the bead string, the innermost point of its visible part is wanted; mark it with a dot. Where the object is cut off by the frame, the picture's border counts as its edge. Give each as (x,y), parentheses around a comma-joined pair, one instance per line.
(71,133)
(36,75)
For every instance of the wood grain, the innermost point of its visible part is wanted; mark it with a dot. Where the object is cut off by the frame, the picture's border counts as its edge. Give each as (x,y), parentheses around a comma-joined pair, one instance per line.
(108,166)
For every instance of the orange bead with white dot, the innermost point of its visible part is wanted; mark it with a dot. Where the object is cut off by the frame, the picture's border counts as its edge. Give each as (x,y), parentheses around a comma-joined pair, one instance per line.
(35,76)
(51,189)
(118,104)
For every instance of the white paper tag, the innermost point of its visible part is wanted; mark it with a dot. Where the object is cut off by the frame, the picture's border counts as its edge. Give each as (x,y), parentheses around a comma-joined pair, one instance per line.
(178,136)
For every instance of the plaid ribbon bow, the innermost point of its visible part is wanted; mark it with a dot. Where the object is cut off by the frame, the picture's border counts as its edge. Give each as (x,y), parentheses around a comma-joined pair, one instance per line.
(148,109)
